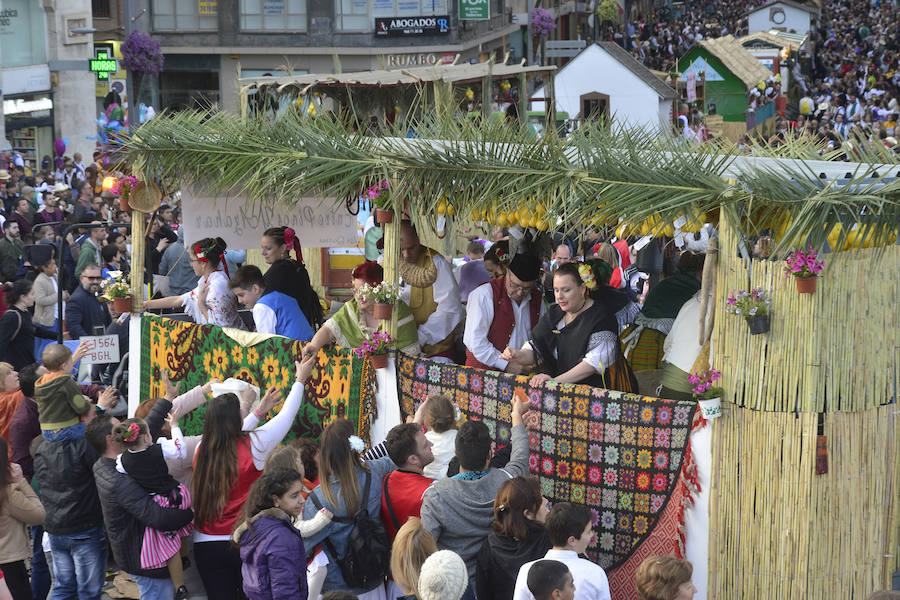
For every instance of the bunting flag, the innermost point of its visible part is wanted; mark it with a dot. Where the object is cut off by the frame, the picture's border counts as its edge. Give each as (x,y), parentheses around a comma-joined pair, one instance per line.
(342,385)
(625,456)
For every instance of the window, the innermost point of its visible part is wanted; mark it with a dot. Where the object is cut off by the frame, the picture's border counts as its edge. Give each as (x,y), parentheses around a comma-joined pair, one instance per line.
(595,106)
(100,9)
(185,15)
(273,15)
(360,15)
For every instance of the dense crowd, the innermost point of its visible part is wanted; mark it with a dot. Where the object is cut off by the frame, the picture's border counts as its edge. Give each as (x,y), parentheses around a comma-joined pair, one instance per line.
(846,82)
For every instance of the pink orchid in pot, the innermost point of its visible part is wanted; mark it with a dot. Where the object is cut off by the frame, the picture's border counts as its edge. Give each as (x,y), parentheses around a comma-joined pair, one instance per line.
(376,347)
(805,268)
(377,194)
(708,396)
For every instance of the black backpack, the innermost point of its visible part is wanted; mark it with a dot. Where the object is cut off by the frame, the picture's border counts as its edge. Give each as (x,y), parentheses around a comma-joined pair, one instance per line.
(367,560)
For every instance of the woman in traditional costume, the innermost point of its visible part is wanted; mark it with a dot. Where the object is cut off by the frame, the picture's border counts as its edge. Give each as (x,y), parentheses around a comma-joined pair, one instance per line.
(355,322)
(212,302)
(287,275)
(576,341)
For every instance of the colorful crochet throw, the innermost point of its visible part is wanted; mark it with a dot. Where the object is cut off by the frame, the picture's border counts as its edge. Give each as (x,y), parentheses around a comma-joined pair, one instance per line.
(621,454)
(342,385)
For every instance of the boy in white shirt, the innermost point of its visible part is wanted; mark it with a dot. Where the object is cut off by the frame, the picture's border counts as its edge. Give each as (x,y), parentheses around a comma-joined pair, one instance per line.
(569,527)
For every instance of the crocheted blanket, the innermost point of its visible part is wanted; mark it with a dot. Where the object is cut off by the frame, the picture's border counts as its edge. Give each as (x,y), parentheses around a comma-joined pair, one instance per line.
(342,385)
(626,456)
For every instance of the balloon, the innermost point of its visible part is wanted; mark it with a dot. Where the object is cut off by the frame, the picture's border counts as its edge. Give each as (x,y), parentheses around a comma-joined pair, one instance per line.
(761,86)
(59,146)
(807,106)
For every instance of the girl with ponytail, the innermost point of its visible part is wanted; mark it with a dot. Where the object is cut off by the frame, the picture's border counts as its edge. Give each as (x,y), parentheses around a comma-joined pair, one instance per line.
(288,275)
(212,302)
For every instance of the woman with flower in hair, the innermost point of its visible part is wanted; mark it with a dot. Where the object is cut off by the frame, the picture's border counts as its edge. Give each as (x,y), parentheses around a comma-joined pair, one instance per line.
(355,322)
(497,258)
(212,302)
(347,485)
(287,275)
(577,339)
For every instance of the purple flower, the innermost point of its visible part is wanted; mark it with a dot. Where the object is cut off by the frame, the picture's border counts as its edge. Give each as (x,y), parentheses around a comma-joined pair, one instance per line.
(142,54)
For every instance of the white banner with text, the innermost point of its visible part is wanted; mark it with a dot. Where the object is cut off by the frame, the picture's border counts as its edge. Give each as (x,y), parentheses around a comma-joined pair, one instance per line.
(319,223)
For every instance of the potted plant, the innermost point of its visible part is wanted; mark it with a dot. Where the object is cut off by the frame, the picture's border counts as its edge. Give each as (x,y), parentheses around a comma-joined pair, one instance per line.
(753,306)
(377,348)
(805,268)
(117,289)
(708,396)
(377,194)
(385,296)
(123,188)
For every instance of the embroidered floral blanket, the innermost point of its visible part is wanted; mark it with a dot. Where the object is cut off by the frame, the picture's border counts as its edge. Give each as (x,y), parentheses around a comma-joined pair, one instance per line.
(342,385)
(621,454)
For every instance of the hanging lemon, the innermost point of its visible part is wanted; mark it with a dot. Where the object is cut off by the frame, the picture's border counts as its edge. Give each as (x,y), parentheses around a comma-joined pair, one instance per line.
(470,95)
(450,210)
(442,208)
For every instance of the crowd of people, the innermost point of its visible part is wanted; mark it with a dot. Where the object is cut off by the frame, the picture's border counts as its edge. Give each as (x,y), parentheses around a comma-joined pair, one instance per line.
(846,81)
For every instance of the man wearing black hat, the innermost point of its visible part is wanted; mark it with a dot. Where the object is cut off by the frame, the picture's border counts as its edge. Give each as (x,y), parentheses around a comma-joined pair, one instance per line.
(501,313)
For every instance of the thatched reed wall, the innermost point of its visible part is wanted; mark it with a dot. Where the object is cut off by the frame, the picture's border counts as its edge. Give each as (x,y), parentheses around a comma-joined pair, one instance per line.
(829,365)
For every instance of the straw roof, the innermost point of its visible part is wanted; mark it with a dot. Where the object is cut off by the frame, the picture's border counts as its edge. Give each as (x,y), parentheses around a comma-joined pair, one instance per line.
(384,78)
(737,59)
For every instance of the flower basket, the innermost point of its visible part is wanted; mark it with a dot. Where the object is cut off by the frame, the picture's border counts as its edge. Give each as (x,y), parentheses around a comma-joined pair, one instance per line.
(758,324)
(383,311)
(379,361)
(122,305)
(806,285)
(384,215)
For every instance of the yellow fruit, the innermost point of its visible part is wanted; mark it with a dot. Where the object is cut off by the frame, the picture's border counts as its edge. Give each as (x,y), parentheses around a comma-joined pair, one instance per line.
(451,210)
(502,221)
(668,230)
(442,208)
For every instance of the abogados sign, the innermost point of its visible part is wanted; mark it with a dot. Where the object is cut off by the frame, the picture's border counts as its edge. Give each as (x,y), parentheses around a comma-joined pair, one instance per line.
(404,26)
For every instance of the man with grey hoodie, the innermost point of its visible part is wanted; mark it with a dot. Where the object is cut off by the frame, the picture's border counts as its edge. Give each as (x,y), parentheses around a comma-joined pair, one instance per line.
(458,510)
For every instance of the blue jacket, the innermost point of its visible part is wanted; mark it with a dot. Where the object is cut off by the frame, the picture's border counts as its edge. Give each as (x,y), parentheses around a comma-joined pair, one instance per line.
(289,320)
(338,532)
(273,559)
(83,312)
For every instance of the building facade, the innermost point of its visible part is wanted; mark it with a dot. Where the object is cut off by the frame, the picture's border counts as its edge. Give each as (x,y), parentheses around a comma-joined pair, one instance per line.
(208,45)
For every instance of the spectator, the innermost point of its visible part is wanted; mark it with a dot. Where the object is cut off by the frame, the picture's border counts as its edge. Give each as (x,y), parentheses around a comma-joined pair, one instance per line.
(401,499)
(551,580)
(46,286)
(664,578)
(443,577)
(438,415)
(90,249)
(226,464)
(472,273)
(10,251)
(458,510)
(19,507)
(412,545)
(128,510)
(176,265)
(347,486)
(22,217)
(74,524)
(17,329)
(84,311)
(570,529)
(517,537)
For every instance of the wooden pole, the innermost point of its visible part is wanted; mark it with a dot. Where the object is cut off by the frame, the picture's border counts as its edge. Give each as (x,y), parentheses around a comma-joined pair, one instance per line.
(392,248)
(487,86)
(523,99)
(138,251)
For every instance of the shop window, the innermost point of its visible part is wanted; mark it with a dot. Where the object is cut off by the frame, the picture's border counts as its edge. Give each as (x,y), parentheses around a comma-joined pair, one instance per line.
(360,15)
(273,15)
(178,15)
(100,9)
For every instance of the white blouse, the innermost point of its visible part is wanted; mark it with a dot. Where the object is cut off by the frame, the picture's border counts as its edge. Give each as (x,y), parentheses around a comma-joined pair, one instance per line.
(221,303)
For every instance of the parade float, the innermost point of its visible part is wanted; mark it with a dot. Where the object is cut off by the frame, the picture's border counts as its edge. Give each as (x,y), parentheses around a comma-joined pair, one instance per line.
(791,493)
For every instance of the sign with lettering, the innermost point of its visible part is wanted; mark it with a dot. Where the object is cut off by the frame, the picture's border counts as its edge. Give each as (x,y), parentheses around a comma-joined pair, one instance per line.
(318,223)
(102,349)
(406,26)
(419,59)
(474,10)
(103,64)
(208,7)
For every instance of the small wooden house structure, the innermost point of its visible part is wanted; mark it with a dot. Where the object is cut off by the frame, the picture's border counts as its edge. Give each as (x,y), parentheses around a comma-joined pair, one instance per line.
(784,15)
(604,80)
(730,72)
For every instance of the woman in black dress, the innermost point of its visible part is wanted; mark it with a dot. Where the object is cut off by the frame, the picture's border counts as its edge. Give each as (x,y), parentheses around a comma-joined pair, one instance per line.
(17,330)
(577,339)
(287,275)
